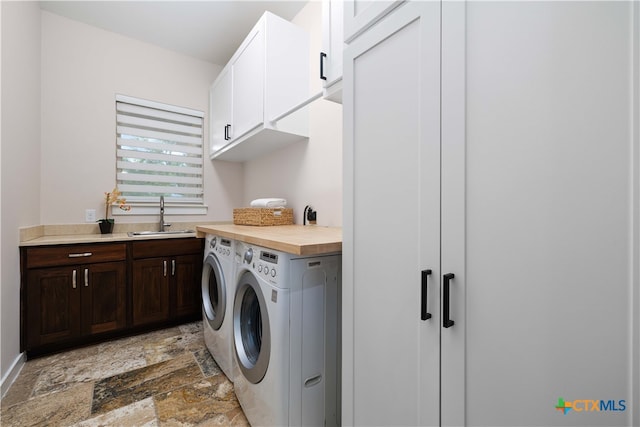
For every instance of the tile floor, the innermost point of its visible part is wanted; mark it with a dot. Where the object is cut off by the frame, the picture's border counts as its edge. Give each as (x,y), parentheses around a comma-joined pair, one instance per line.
(163,378)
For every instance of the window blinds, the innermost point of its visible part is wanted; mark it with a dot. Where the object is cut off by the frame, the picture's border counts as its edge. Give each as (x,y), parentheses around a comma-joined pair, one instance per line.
(159,152)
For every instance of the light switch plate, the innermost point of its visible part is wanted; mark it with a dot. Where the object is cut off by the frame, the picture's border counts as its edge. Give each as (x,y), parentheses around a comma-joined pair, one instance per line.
(90,215)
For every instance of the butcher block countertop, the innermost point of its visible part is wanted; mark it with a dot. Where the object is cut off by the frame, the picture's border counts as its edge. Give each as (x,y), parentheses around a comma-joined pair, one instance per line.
(293,239)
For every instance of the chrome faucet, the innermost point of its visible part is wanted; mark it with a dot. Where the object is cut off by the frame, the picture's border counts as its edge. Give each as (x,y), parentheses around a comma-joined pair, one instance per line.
(162,223)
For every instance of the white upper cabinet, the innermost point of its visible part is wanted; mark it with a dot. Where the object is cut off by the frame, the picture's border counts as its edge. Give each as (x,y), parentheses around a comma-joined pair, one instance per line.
(266,77)
(332,48)
(220,102)
(248,86)
(362,14)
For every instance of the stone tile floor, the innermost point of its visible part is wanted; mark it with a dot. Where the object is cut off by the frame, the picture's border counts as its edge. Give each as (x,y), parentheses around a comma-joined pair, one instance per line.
(163,378)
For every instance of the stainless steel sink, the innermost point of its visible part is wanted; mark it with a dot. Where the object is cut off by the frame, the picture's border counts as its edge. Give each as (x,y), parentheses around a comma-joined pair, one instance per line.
(158,233)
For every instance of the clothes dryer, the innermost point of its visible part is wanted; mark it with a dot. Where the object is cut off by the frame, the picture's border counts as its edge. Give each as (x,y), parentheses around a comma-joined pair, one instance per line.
(218,287)
(285,325)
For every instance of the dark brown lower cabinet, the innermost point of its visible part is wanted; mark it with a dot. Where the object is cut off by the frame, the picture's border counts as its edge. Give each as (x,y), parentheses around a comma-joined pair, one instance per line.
(166,280)
(53,306)
(76,294)
(186,289)
(104,298)
(151,291)
(67,302)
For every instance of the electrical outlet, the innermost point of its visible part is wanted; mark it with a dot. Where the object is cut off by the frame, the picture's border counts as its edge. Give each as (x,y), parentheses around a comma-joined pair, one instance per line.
(90,215)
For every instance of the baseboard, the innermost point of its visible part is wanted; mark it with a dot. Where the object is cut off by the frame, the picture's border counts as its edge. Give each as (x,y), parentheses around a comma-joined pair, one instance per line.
(12,374)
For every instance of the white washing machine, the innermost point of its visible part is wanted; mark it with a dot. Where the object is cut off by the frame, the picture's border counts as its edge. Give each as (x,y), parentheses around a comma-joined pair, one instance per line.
(286,324)
(218,288)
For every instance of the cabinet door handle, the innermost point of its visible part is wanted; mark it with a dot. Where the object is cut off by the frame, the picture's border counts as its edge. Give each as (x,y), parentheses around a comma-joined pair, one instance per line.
(86,277)
(74,278)
(322,56)
(424,315)
(84,254)
(173,267)
(227,128)
(446,321)
(164,269)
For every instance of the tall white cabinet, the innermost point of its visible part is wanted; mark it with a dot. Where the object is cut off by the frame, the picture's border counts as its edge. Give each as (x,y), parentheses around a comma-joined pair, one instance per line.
(491,232)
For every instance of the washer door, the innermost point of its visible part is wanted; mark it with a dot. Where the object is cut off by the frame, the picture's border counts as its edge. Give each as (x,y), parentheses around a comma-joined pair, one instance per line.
(214,292)
(252,336)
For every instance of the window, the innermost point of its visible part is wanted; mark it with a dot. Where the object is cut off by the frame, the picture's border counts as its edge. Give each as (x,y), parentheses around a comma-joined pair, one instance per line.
(159,153)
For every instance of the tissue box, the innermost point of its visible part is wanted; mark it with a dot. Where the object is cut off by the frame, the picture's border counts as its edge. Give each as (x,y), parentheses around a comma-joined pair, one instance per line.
(263,216)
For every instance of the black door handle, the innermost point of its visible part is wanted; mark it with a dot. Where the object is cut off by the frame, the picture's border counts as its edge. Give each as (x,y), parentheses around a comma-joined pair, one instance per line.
(446,321)
(424,315)
(226,132)
(322,56)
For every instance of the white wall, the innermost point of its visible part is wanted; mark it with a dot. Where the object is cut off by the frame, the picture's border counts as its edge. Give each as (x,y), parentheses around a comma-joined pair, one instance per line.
(306,172)
(83,68)
(20,162)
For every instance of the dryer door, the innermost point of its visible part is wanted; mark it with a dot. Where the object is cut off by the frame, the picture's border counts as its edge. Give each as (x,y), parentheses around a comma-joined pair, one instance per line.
(252,336)
(214,292)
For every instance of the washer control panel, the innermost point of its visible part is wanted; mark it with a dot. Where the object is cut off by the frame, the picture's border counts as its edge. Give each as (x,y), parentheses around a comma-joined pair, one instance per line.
(266,264)
(221,246)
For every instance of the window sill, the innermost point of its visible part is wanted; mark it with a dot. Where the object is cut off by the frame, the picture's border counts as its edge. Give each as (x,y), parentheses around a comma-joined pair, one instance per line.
(154,209)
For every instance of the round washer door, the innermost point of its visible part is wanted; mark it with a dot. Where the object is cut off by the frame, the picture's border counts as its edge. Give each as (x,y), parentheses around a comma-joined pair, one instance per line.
(214,292)
(251,333)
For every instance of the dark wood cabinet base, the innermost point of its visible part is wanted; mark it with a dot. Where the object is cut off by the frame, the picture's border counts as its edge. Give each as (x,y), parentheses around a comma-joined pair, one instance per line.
(77,295)
(58,347)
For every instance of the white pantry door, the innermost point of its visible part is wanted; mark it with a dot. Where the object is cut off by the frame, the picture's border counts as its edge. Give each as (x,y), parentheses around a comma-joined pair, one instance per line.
(540,217)
(392,161)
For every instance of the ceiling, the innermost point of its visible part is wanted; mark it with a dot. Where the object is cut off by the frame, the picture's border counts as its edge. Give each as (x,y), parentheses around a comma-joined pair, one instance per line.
(209,30)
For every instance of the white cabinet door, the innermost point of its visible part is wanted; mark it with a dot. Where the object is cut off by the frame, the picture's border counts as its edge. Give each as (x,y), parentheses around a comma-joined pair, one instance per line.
(540,219)
(391,190)
(526,198)
(361,14)
(220,111)
(287,68)
(332,41)
(269,78)
(248,86)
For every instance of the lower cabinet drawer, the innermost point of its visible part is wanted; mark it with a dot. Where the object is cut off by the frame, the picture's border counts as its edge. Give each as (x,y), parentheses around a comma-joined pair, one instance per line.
(74,255)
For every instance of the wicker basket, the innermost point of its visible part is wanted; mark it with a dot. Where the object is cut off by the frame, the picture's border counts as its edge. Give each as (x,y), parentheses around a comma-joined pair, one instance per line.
(263,216)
